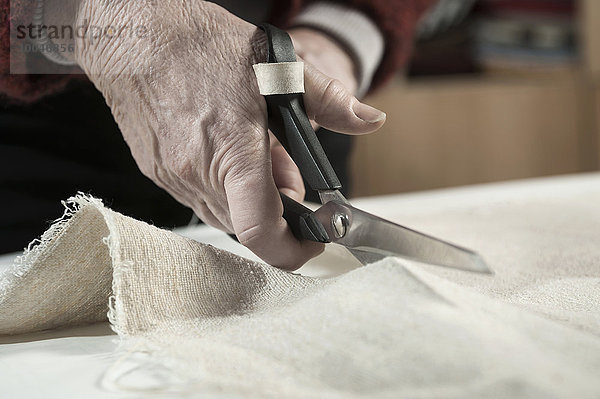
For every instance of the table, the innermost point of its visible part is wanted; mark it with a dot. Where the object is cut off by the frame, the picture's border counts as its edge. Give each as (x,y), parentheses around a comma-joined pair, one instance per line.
(71,363)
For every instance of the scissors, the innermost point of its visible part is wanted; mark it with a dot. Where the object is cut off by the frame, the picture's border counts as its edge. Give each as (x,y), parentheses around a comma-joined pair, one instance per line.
(367,237)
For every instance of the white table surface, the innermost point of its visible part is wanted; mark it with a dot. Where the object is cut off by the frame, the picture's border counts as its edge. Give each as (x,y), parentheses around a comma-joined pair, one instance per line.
(72,363)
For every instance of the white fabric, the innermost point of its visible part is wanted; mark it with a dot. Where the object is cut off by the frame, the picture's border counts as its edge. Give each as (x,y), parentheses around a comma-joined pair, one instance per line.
(400,329)
(280,77)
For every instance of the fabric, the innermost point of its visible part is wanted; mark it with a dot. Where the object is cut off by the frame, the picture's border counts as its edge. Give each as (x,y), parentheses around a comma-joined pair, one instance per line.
(357,33)
(50,286)
(200,322)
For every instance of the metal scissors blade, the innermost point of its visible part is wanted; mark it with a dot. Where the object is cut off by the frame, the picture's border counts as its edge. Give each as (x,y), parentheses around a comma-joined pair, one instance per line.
(370,238)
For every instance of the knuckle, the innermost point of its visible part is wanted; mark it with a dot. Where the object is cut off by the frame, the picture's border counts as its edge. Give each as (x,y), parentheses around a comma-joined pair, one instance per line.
(253,237)
(334,90)
(234,168)
(238,163)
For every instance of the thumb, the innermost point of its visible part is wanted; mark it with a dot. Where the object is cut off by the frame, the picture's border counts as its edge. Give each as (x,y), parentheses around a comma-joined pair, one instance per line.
(256,212)
(332,106)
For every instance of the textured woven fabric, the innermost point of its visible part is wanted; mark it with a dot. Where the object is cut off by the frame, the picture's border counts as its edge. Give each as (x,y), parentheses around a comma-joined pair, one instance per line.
(217,325)
(154,275)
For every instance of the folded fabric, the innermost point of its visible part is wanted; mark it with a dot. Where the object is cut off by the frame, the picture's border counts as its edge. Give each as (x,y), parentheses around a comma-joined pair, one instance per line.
(218,325)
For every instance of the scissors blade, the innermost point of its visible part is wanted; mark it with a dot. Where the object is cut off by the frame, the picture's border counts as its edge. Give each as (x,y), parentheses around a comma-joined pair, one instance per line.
(370,238)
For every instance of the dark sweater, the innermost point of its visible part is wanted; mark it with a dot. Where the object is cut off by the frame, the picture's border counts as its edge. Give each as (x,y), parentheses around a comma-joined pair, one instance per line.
(395,18)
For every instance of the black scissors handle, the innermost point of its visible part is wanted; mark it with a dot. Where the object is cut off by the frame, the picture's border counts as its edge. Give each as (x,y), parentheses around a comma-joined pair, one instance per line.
(290,124)
(302,221)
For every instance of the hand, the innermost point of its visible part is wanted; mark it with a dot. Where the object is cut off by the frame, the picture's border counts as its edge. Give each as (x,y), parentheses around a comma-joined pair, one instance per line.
(186,100)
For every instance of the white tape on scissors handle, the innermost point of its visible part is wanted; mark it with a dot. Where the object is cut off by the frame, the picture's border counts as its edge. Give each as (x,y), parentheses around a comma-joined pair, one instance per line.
(280,77)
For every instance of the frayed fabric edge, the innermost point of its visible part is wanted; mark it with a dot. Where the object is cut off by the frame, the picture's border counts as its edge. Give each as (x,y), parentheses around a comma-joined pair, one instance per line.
(127,346)
(39,246)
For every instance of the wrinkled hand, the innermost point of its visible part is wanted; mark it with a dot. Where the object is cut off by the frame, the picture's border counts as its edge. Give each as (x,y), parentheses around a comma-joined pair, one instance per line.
(186,100)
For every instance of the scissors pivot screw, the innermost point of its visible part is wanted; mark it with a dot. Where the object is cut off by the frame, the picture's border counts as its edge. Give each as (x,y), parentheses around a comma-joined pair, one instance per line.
(339,222)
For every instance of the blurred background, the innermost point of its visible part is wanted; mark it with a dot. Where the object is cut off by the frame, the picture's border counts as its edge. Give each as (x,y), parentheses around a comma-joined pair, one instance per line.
(496,90)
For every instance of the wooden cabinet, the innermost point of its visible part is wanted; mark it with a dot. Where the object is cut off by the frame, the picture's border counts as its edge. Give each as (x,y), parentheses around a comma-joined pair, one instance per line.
(589,17)
(596,123)
(442,133)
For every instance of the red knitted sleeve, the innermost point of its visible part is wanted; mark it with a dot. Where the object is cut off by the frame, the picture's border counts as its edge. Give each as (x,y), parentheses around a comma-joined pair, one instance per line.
(21,87)
(395,18)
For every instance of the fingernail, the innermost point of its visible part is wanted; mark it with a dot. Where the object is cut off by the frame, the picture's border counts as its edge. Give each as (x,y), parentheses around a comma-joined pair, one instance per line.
(368,113)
